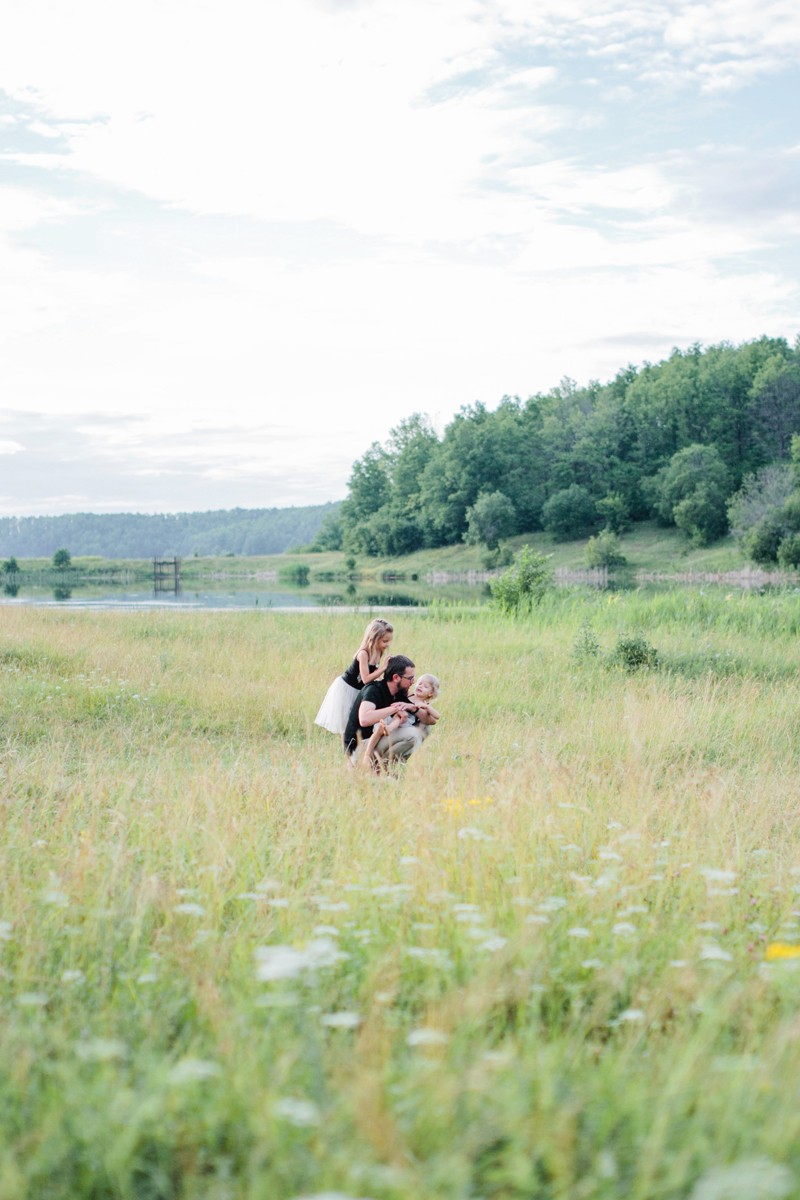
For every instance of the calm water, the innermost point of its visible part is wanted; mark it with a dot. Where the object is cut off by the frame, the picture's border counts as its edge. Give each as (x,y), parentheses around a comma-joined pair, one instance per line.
(211,595)
(281,596)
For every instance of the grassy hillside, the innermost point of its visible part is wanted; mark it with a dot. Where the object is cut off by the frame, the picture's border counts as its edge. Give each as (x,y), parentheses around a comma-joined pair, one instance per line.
(648,547)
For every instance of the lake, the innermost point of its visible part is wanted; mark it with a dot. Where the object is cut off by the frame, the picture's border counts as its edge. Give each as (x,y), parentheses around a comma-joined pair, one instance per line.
(248,594)
(274,594)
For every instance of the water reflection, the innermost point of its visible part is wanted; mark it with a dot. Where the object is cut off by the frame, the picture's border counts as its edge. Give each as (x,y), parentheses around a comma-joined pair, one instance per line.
(349,593)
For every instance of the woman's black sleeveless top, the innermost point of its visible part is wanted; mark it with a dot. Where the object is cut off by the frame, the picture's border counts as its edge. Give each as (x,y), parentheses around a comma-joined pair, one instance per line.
(352,677)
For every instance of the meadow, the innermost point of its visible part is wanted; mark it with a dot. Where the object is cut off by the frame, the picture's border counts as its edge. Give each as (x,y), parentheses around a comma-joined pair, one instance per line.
(552,961)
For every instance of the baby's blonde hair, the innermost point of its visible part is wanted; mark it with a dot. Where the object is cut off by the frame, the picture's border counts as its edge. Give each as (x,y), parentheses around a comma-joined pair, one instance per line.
(376,630)
(432,680)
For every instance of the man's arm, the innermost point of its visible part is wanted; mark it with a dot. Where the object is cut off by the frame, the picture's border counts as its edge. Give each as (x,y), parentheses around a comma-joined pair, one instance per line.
(369,715)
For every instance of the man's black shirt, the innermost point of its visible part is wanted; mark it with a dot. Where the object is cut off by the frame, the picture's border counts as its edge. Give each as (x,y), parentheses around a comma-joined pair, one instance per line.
(376,693)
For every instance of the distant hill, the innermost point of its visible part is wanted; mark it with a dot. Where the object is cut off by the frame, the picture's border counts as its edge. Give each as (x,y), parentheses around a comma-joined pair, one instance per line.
(142,535)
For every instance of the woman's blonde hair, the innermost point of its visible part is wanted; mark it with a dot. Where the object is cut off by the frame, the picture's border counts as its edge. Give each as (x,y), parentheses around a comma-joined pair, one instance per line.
(375,631)
(433,680)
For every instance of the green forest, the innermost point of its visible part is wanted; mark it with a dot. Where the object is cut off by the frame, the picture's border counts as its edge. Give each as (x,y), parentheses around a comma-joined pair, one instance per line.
(142,535)
(701,441)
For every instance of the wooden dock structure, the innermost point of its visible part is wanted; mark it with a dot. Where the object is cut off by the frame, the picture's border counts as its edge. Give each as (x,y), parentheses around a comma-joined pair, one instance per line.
(167,575)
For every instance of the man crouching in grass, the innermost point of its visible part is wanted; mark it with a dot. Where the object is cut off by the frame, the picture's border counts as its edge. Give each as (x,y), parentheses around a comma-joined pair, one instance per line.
(385,700)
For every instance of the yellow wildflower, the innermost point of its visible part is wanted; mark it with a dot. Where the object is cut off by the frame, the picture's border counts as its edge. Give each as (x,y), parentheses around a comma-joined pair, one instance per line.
(781,950)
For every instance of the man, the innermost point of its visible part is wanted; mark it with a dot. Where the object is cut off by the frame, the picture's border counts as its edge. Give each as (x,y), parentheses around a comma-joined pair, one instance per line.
(382,700)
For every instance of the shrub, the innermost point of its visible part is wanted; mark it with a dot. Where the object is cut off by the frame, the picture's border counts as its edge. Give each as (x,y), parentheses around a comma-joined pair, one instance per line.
(604,550)
(789,552)
(635,653)
(525,582)
(503,556)
(615,511)
(586,643)
(490,518)
(570,513)
(761,543)
(691,492)
(62,559)
(759,496)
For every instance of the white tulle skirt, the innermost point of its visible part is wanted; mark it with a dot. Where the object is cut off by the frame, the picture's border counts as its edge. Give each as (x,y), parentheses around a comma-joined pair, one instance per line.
(334,712)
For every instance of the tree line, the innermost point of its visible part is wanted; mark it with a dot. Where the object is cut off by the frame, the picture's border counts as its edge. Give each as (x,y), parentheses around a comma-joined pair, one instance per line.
(142,535)
(674,441)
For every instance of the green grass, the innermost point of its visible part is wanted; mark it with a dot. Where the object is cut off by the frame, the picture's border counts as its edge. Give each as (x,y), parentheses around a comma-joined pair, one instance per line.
(540,954)
(648,548)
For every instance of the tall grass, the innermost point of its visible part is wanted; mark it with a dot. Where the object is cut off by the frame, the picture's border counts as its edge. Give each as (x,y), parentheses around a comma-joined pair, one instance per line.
(532,967)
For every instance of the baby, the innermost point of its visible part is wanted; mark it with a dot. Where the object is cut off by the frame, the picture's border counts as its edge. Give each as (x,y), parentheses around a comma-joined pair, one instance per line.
(419,712)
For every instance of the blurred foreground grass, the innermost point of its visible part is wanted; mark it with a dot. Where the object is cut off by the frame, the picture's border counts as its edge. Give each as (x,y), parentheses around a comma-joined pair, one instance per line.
(532,968)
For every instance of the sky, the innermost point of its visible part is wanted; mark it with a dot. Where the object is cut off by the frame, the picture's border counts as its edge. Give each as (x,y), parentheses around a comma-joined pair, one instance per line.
(240,240)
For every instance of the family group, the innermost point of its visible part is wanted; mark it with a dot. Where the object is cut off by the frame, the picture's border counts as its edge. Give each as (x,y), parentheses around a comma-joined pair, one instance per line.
(382,712)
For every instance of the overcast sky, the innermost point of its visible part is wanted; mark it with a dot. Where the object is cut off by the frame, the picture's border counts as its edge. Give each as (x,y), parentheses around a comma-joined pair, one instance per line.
(241,239)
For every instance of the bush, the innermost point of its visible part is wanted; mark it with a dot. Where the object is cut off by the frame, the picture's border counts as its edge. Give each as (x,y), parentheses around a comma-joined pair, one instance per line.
(503,556)
(702,515)
(524,584)
(570,513)
(761,543)
(789,552)
(615,511)
(62,559)
(604,551)
(635,653)
(759,496)
(586,643)
(490,518)
(691,492)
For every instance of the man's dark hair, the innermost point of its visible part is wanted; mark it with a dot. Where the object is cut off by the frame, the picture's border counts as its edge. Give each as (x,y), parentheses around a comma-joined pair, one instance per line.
(398,664)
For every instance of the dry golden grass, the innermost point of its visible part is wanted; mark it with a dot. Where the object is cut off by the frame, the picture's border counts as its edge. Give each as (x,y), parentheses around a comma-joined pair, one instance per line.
(539,954)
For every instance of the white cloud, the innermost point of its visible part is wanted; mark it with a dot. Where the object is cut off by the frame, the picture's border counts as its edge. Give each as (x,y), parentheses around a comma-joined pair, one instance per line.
(489,228)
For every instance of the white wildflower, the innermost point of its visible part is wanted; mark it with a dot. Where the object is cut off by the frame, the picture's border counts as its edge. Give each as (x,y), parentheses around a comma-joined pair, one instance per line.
(32,999)
(623,928)
(476,835)
(101,1050)
(713,875)
(341,1020)
(630,1014)
(72,976)
(711,952)
(194,1070)
(578,931)
(426,1037)
(747,1179)
(190,909)
(288,962)
(302,1113)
